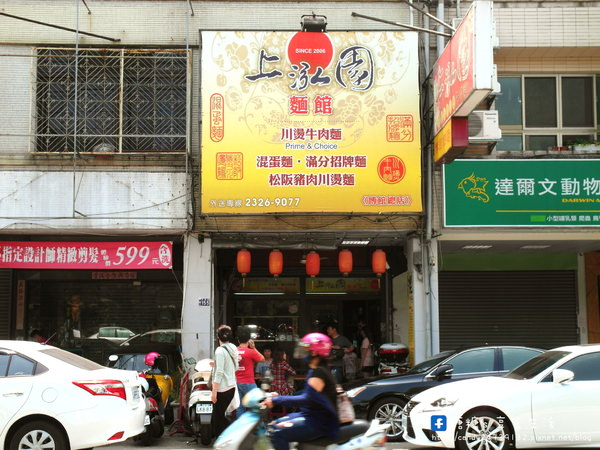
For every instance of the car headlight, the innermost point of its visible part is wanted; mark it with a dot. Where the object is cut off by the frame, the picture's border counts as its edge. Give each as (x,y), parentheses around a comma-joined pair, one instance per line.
(354,392)
(443,402)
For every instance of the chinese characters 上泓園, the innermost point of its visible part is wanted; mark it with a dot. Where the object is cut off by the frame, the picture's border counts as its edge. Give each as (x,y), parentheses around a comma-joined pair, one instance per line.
(354,70)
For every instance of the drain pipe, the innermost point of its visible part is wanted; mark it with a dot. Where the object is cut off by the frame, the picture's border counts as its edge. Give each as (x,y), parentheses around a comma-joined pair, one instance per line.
(430,257)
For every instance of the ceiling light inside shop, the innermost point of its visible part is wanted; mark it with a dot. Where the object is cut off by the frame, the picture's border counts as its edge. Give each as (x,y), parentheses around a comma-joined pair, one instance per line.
(534,247)
(259,293)
(355,242)
(476,247)
(326,293)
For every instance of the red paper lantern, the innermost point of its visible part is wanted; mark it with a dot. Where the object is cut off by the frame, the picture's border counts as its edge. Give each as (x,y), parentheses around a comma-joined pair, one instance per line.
(345,262)
(313,264)
(275,263)
(378,262)
(244,262)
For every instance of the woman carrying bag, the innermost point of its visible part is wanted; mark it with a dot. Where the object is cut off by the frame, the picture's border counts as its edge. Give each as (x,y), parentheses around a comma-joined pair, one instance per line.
(223,381)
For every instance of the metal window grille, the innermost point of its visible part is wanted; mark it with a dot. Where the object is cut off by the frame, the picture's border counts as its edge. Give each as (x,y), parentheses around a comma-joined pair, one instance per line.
(98,100)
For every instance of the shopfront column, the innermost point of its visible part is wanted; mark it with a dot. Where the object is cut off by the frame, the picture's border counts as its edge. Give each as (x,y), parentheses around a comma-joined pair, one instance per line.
(197,310)
(418,342)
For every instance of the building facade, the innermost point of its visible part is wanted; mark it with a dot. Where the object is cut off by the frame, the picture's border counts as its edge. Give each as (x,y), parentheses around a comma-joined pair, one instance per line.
(126,121)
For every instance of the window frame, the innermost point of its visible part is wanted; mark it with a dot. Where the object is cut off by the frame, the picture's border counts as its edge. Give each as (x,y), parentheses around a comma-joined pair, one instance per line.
(36,367)
(559,131)
(84,141)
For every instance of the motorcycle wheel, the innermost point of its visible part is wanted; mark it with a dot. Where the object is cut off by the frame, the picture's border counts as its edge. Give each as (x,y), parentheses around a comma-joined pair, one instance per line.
(205,434)
(146,438)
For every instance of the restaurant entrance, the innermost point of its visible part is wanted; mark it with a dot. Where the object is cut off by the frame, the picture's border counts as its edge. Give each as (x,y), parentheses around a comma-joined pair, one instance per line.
(282,309)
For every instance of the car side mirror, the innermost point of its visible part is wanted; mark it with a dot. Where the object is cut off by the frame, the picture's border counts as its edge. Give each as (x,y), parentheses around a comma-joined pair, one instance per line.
(440,371)
(561,376)
(113,358)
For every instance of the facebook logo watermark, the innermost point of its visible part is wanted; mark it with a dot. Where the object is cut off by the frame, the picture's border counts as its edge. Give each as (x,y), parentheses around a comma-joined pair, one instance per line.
(438,423)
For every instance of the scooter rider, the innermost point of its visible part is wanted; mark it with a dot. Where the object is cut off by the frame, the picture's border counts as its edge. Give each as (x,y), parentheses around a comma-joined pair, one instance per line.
(317,400)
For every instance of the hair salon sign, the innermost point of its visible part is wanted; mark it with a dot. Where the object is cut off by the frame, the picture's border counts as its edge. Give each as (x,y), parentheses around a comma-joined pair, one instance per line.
(86,255)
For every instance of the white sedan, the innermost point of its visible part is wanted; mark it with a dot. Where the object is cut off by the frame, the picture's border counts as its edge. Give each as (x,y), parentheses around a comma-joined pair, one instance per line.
(551,400)
(53,399)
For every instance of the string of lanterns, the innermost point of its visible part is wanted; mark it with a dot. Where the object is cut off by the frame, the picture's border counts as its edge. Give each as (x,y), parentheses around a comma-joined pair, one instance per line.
(313,262)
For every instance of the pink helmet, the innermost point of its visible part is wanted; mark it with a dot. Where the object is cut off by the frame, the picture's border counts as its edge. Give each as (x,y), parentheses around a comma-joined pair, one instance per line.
(150,358)
(318,343)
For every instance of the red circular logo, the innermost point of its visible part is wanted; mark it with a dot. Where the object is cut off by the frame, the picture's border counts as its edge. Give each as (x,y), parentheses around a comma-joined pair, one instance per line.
(391,169)
(315,49)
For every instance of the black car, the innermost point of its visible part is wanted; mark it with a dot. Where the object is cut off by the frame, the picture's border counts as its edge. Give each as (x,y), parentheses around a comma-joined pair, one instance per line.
(384,397)
(131,353)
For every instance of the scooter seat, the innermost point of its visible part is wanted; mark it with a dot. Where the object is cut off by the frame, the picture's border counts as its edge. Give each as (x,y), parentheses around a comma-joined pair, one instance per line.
(347,432)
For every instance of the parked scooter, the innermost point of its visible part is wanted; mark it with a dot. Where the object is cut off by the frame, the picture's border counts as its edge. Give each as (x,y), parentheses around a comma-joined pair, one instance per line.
(393,358)
(250,431)
(154,422)
(200,404)
(156,387)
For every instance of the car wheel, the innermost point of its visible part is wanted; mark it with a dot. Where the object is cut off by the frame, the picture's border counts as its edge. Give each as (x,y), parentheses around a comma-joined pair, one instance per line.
(38,434)
(389,411)
(484,429)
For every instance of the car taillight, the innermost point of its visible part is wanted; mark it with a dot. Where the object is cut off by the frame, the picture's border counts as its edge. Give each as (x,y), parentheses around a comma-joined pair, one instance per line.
(114,388)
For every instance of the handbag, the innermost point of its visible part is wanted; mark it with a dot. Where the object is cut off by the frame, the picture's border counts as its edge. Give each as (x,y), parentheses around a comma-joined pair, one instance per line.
(235,401)
(345,409)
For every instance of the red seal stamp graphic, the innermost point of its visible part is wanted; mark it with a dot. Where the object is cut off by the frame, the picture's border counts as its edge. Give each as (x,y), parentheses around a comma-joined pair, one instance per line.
(400,128)
(230,166)
(391,169)
(217,117)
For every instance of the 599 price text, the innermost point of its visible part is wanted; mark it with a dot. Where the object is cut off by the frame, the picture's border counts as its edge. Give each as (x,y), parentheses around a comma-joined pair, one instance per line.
(131,255)
(285,202)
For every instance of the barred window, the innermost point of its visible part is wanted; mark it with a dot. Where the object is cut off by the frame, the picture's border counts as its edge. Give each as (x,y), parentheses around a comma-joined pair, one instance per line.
(123,100)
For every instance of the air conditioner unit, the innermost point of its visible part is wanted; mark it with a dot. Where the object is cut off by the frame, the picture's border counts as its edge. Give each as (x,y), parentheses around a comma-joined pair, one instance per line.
(483,126)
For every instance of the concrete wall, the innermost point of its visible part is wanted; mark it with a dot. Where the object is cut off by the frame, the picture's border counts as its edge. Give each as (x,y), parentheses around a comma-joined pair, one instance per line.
(54,202)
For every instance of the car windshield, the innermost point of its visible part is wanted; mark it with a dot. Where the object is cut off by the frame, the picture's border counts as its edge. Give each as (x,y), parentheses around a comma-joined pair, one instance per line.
(71,358)
(424,366)
(536,365)
(131,362)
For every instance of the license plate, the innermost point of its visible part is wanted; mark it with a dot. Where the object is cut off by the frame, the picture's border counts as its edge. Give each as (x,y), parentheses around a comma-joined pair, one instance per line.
(135,393)
(147,420)
(204,408)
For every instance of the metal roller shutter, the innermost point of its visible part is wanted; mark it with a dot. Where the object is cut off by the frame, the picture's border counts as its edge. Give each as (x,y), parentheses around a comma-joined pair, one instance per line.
(534,308)
(5,303)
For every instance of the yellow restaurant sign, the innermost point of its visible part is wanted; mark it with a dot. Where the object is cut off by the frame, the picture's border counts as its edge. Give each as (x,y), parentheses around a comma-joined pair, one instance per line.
(310,122)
